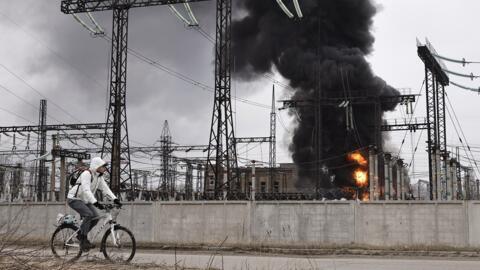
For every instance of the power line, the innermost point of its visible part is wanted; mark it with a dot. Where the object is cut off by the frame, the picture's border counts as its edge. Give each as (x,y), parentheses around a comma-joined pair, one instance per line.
(17,115)
(182,76)
(470,76)
(463,61)
(211,39)
(410,121)
(476,90)
(28,33)
(17,96)
(280,119)
(91,79)
(461,131)
(415,150)
(36,91)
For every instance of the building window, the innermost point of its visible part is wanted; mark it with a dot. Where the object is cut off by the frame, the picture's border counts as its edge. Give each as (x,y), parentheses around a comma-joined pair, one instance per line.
(263,187)
(276,187)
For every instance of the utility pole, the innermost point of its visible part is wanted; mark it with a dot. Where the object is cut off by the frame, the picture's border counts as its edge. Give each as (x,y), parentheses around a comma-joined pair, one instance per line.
(222,151)
(42,150)
(55,146)
(199,179)
(273,143)
(116,144)
(189,182)
(63,180)
(254,183)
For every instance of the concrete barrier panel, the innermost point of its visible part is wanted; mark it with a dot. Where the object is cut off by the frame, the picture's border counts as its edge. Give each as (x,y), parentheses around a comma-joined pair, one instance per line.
(473,230)
(168,223)
(237,222)
(138,218)
(34,220)
(193,220)
(396,225)
(215,214)
(313,224)
(289,218)
(370,223)
(265,222)
(424,226)
(451,221)
(340,226)
(296,224)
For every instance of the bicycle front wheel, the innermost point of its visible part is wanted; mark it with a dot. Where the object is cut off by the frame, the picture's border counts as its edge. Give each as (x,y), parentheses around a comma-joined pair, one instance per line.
(64,243)
(119,246)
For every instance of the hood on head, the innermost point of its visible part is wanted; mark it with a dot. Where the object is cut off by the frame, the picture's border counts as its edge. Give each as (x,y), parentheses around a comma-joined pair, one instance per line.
(96,163)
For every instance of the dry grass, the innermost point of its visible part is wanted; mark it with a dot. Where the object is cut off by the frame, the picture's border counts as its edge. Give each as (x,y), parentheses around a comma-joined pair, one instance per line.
(22,262)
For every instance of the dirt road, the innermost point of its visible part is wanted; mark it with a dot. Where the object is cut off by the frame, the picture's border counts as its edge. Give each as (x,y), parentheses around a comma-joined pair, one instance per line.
(270,262)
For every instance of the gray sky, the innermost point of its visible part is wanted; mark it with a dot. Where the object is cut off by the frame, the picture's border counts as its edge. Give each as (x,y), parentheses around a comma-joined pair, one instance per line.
(59,58)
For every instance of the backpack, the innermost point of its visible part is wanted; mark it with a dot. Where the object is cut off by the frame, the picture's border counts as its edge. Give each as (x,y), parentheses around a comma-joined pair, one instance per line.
(73,177)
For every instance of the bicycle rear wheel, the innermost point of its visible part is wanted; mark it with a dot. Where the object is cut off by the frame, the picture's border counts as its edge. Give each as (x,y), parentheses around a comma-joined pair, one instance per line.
(64,243)
(120,248)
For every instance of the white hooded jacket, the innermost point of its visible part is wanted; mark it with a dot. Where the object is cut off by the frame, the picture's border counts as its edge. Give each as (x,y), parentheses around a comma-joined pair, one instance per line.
(90,182)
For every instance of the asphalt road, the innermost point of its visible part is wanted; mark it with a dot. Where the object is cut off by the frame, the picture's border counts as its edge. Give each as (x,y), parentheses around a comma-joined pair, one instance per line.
(271,262)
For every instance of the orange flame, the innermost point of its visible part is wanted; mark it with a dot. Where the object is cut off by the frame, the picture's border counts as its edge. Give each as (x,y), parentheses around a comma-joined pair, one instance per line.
(361,177)
(358,158)
(365,196)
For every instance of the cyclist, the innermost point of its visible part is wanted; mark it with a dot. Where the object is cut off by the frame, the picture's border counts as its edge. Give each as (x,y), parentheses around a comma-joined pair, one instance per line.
(81,198)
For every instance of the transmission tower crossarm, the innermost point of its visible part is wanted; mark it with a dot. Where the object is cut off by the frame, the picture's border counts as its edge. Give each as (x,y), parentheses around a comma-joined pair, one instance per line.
(62,127)
(70,154)
(434,66)
(81,136)
(405,127)
(337,101)
(82,6)
(158,149)
(253,140)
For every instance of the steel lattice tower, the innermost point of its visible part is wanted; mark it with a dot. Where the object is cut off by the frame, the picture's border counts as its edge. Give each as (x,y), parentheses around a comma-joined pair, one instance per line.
(222,153)
(167,185)
(435,82)
(117,144)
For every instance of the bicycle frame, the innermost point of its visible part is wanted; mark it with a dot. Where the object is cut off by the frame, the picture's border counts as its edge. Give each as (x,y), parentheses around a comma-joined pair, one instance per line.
(108,220)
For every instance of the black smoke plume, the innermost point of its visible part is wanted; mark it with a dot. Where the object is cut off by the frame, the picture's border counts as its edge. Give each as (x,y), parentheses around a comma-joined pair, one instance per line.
(323,56)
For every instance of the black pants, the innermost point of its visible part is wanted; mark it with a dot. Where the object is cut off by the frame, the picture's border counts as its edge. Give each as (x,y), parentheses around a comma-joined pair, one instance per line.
(87,212)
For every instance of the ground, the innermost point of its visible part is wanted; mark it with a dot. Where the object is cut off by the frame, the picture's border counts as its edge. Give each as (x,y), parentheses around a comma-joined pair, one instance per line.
(203,260)
(162,259)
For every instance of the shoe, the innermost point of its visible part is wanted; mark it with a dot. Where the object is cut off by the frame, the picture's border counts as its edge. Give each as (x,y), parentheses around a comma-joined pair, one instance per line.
(85,245)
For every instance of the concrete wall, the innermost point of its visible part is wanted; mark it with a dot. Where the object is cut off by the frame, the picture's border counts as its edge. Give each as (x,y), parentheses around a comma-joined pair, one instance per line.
(300,224)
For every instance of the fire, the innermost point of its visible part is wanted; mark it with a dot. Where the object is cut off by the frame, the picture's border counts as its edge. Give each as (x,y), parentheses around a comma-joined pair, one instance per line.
(361,177)
(358,158)
(365,196)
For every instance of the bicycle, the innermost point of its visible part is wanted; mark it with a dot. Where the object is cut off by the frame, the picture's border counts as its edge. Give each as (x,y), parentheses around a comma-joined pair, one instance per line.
(119,247)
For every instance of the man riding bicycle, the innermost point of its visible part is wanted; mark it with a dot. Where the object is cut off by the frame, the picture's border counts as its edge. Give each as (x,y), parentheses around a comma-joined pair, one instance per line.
(81,198)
